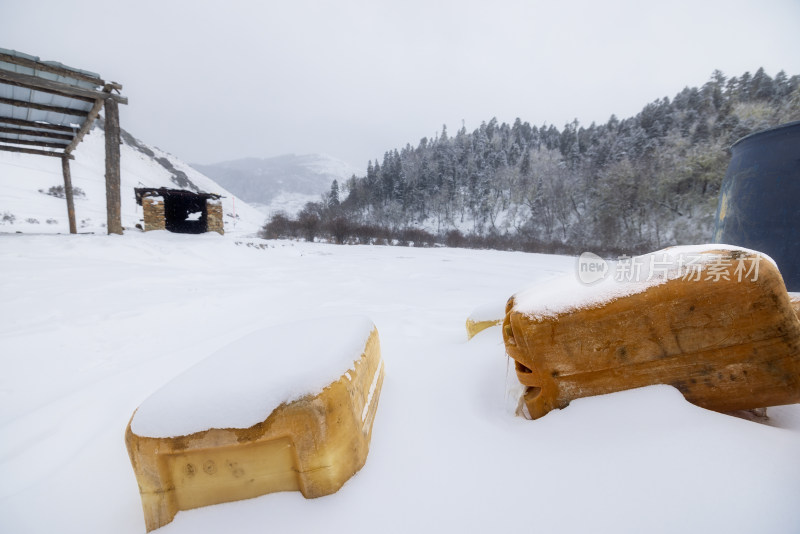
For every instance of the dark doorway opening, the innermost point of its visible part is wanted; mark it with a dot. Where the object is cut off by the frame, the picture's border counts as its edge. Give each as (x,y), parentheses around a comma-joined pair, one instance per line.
(185,214)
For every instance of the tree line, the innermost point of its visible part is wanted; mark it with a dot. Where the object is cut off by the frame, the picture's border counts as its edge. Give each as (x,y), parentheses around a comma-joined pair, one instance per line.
(629,185)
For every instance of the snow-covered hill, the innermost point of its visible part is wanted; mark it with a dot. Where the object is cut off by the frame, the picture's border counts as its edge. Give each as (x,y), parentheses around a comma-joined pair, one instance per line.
(282,183)
(91,325)
(26,206)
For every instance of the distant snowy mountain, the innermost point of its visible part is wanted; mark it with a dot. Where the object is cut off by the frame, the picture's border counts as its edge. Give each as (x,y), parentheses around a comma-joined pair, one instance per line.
(31,201)
(280,183)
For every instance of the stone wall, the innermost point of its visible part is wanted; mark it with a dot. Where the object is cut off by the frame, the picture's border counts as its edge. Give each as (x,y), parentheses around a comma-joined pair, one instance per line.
(153,208)
(214,218)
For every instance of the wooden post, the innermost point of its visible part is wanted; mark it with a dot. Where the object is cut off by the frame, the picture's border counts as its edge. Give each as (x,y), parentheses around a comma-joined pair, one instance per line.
(73,229)
(113,200)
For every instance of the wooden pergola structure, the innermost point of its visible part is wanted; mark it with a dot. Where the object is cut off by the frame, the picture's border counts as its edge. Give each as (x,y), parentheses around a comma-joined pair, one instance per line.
(46,109)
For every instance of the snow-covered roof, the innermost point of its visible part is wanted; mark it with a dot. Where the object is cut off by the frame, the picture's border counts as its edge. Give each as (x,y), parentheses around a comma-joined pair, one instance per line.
(165,192)
(46,107)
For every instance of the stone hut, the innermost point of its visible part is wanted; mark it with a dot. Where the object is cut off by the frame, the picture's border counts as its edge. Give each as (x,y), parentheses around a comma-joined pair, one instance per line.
(180,211)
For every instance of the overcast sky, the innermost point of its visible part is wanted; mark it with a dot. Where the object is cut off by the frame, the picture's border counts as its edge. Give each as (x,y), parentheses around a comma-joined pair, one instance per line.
(213,81)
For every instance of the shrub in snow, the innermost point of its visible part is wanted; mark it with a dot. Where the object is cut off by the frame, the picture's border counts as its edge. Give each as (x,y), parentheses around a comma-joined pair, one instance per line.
(58,191)
(280,226)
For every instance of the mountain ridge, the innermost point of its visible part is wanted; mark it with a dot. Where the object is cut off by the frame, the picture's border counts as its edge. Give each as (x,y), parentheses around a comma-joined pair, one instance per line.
(268,182)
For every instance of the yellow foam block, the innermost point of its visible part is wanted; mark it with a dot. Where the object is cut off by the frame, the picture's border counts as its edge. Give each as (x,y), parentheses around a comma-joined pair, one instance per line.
(312,445)
(484,317)
(728,340)
(476,327)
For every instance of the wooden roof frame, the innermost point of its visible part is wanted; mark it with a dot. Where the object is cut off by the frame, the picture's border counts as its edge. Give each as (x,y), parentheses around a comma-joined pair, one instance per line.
(43,135)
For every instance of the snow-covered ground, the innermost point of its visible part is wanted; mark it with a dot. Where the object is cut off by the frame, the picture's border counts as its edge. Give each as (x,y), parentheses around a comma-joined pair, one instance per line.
(289,203)
(91,325)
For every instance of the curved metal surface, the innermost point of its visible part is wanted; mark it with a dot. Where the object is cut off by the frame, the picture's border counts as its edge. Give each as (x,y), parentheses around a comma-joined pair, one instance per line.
(759,204)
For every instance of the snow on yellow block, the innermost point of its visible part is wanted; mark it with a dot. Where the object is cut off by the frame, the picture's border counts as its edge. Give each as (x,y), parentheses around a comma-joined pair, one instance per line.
(714,321)
(313,443)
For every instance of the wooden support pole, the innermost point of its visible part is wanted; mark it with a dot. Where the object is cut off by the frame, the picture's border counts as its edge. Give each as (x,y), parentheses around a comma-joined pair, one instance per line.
(73,229)
(113,199)
(87,124)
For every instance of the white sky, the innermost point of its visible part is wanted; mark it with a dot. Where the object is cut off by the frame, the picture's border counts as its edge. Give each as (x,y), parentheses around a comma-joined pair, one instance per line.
(212,81)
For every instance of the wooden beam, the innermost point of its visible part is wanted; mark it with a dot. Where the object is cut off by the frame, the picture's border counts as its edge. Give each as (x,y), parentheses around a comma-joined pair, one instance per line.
(8,79)
(68,193)
(35,133)
(47,144)
(34,151)
(53,69)
(86,125)
(113,200)
(44,107)
(43,125)
(49,86)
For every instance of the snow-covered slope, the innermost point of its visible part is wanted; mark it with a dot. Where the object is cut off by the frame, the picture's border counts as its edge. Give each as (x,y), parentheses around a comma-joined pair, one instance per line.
(92,325)
(282,183)
(25,180)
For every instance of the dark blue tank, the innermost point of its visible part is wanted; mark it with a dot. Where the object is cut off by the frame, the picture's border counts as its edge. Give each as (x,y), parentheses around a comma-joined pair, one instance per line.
(759,202)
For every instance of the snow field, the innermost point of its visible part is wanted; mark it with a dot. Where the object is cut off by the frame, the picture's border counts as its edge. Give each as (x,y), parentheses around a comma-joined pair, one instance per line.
(90,326)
